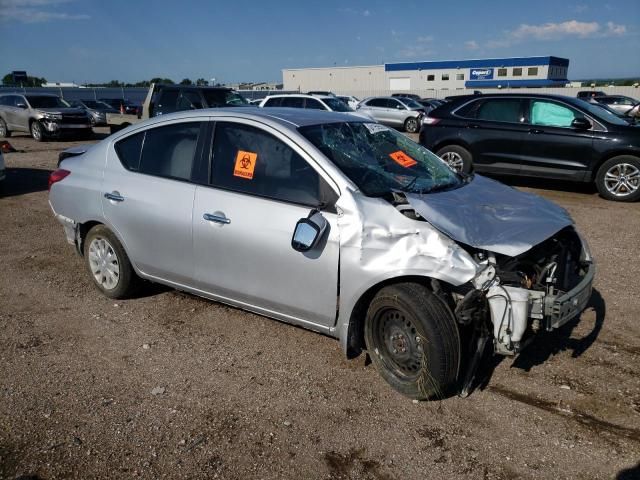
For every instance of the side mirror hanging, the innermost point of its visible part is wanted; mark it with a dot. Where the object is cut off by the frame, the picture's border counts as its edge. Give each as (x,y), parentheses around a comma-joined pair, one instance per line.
(308,232)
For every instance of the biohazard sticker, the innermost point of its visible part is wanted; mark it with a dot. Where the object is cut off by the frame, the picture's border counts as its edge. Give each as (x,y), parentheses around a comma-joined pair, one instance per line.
(403,159)
(245,164)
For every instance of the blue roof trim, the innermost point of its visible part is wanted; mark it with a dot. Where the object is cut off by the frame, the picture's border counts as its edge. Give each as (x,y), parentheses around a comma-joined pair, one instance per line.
(482,63)
(515,83)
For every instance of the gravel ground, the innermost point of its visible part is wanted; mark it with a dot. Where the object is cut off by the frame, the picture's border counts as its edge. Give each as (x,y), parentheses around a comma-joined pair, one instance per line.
(173,386)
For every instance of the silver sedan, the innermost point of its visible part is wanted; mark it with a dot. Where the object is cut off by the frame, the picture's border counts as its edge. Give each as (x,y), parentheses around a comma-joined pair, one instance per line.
(330,222)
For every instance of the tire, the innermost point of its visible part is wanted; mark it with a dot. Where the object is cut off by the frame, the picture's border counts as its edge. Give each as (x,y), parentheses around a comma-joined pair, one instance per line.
(36,131)
(618,179)
(86,134)
(411,125)
(458,158)
(4,130)
(119,280)
(413,341)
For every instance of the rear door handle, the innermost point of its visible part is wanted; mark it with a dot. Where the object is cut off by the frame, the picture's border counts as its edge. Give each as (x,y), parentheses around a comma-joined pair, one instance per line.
(535,130)
(114,197)
(216,218)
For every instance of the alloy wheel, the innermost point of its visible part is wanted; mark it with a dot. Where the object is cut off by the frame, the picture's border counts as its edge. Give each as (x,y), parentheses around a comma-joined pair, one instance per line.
(622,179)
(454,160)
(36,130)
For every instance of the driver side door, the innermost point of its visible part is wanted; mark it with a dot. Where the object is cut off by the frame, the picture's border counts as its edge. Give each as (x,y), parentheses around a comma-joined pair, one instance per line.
(260,185)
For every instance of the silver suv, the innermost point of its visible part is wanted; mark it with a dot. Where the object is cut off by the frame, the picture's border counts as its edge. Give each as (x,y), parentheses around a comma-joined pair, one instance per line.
(395,112)
(42,115)
(331,222)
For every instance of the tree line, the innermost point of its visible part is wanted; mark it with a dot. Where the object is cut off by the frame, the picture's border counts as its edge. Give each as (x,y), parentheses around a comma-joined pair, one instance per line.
(39,81)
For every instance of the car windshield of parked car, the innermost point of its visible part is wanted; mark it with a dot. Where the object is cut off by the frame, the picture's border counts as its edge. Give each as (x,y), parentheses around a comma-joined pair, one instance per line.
(380,160)
(337,105)
(602,113)
(92,104)
(224,98)
(46,102)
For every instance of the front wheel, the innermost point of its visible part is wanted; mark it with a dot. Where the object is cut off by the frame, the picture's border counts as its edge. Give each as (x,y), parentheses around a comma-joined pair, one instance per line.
(411,125)
(36,131)
(108,264)
(619,179)
(413,341)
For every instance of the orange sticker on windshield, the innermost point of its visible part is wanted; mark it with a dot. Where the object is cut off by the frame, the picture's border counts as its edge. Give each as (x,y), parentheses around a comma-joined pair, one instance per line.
(403,159)
(245,164)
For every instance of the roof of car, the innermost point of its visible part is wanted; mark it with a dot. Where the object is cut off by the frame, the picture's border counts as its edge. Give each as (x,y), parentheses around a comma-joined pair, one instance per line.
(31,94)
(549,96)
(301,95)
(289,117)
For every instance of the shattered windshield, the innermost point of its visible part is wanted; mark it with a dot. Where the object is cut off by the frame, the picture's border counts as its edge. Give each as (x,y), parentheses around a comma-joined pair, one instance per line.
(380,160)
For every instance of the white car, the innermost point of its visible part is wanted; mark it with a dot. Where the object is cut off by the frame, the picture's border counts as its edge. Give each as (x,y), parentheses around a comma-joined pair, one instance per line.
(314,102)
(350,100)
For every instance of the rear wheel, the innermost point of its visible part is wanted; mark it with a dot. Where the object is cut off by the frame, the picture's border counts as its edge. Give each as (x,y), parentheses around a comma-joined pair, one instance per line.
(411,125)
(36,131)
(4,130)
(108,264)
(457,157)
(413,341)
(618,179)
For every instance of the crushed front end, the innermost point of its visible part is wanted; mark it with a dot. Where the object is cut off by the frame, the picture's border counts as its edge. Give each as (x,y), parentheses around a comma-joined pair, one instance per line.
(540,289)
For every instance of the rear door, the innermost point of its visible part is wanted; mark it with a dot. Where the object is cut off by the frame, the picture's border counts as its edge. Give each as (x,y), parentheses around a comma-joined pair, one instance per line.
(148,197)
(377,108)
(553,148)
(494,129)
(396,112)
(261,184)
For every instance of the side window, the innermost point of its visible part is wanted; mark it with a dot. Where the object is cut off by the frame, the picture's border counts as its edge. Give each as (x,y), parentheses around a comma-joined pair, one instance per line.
(293,102)
(551,114)
(273,102)
(128,151)
(377,102)
(314,104)
(169,151)
(168,100)
(431,78)
(396,105)
(470,110)
(500,110)
(189,100)
(531,71)
(502,72)
(249,160)
(517,72)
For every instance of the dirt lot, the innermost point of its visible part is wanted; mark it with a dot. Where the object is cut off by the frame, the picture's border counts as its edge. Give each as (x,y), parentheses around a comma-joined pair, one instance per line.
(173,386)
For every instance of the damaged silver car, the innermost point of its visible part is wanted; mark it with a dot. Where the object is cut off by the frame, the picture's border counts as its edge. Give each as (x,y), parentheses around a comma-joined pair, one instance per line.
(327,221)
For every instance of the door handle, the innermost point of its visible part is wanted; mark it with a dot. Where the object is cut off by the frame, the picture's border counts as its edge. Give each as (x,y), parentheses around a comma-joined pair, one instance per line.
(114,197)
(535,130)
(473,125)
(216,218)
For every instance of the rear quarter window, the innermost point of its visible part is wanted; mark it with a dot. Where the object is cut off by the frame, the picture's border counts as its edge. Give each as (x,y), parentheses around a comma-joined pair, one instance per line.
(128,151)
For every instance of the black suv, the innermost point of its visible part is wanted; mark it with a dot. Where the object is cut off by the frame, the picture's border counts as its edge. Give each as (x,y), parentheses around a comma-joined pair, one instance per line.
(548,136)
(176,98)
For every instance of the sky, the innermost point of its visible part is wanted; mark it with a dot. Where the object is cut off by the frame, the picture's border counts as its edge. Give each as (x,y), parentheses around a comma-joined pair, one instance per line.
(91,41)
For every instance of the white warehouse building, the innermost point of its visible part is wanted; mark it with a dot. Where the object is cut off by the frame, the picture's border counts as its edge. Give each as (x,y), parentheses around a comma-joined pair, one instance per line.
(476,74)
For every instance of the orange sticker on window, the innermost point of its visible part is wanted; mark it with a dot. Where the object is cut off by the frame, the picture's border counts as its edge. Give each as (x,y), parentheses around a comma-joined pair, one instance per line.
(403,159)
(245,164)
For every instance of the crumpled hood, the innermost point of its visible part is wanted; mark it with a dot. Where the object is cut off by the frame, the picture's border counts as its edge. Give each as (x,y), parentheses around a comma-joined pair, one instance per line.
(488,215)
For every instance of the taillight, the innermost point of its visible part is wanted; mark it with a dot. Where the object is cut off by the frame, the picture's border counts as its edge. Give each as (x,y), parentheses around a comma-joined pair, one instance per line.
(58,175)
(430,121)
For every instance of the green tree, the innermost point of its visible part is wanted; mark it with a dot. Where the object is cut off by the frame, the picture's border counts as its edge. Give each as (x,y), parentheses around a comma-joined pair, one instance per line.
(201,82)
(186,81)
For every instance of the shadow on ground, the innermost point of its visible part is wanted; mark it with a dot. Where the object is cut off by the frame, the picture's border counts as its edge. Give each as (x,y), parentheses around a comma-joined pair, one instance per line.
(20,181)
(546,184)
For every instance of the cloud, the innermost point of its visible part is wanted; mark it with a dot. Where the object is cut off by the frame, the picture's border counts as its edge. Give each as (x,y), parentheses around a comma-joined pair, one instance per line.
(33,11)
(471,45)
(581,8)
(556,31)
(353,11)
(616,30)
(366,13)
(421,47)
